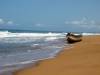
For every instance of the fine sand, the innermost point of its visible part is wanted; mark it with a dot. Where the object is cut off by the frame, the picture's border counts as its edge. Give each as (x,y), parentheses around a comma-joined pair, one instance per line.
(82,59)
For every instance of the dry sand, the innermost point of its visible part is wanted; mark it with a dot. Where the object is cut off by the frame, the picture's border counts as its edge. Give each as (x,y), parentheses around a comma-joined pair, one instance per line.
(82,59)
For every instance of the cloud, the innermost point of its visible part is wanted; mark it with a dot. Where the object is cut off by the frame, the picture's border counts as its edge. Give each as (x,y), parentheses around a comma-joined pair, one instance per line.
(5,22)
(1,21)
(77,22)
(10,22)
(84,22)
(39,25)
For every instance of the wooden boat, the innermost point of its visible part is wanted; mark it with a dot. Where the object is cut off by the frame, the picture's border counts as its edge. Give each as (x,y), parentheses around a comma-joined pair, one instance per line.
(72,38)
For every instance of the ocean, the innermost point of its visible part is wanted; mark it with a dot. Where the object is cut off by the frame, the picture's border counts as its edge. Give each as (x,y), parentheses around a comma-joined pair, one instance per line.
(21,48)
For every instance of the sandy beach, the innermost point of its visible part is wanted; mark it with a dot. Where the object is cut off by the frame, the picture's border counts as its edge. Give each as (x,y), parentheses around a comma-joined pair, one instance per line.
(82,59)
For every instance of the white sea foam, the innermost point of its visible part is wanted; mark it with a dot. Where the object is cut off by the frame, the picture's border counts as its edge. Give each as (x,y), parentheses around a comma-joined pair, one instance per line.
(50,34)
(50,38)
(9,34)
(87,34)
(9,37)
(6,36)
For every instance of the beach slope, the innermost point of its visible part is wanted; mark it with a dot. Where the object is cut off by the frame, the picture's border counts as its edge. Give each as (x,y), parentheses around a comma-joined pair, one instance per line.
(82,59)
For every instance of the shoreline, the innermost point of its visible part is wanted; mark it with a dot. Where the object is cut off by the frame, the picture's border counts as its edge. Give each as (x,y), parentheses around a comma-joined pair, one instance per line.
(31,64)
(82,59)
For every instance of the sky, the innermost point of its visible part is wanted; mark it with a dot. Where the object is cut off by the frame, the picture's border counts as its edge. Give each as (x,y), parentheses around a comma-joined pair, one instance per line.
(51,15)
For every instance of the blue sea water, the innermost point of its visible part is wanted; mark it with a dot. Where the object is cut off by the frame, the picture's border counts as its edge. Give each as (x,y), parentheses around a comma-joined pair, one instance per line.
(19,48)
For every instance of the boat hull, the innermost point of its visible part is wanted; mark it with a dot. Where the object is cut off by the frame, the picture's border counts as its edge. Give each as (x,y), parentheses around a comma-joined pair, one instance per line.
(72,39)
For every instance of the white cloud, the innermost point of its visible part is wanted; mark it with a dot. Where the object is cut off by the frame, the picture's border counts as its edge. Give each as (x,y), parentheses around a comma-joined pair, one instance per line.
(76,22)
(5,22)
(1,21)
(84,23)
(92,22)
(10,22)
(39,25)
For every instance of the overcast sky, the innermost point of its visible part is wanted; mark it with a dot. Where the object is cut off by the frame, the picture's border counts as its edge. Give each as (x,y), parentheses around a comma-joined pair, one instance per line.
(51,15)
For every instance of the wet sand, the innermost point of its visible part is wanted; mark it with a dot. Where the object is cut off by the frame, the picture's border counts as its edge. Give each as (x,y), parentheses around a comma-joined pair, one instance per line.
(82,59)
